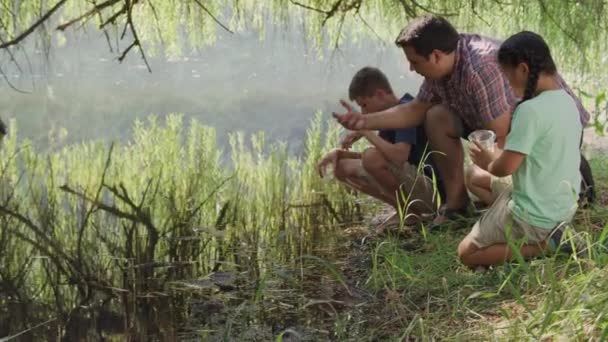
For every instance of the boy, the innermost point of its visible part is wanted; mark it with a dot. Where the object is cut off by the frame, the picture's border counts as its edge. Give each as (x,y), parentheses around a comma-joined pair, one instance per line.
(388,170)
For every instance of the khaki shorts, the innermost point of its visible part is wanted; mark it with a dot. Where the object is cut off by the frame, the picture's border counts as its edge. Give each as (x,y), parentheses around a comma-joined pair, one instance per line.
(498,225)
(415,186)
(500,185)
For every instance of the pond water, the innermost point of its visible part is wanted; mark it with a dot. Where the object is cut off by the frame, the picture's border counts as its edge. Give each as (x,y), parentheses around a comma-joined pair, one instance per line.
(240,83)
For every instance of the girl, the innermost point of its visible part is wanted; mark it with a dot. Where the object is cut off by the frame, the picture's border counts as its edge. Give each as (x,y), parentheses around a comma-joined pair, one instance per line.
(541,153)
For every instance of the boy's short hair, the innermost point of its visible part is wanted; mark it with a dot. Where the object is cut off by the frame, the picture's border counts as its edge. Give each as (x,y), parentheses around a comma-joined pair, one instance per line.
(428,33)
(366,82)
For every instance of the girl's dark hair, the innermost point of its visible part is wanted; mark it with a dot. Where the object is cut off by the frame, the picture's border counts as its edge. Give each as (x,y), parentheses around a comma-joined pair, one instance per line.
(530,48)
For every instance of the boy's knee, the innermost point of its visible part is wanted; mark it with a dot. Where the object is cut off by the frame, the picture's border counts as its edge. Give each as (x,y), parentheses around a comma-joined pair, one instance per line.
(372,159)
(340,173)
(343,171)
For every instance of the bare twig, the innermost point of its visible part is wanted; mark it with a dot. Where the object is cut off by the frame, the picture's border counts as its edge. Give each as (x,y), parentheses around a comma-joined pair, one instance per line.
(411,12)
(114,16)
(54,255)
(545,11)
(428,10)
(158,31)
(12,337)
(10,53)
(31,29)
(474,10)
(105,207)
(310,8)
(212,16)
(96,9)
(10,84)
(95,200)
(331,12)
(370,27)
(131,3)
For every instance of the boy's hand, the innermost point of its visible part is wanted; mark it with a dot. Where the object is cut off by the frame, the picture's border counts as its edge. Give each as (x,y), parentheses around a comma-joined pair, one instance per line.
(480,156)
(331,158)
(366,133)
(349,139)
(352,119)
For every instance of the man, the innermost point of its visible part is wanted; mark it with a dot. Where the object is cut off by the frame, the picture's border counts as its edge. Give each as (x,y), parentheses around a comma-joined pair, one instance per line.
(463,90)
(387,171)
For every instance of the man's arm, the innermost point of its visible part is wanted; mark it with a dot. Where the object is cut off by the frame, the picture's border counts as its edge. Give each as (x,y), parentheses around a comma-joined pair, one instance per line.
(396,153)
(402,116)
(500,126)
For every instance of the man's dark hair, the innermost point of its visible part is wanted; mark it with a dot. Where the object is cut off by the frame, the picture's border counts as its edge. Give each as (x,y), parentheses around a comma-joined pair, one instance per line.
(428,33)
(366,82)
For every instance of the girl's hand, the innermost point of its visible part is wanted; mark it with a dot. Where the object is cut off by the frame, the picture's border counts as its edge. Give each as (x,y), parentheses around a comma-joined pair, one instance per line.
(480,156)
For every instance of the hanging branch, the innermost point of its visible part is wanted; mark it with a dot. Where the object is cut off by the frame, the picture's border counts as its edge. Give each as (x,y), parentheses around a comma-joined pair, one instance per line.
(310,8)
(212,16)
(96,9)
(158,31)
(32,28)
(411,12)
(568,34)
(10,84)
(136,41)
(10,53)
(115,16)
(331,12)
(428,10)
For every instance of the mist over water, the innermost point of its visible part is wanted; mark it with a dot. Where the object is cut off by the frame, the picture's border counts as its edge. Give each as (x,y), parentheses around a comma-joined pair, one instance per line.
(240,83)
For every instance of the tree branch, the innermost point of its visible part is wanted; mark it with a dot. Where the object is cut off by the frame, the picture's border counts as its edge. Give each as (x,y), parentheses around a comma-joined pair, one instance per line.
(10,84)
(310,8)
(87,14)
(212,16)
(31,29)
(132,3)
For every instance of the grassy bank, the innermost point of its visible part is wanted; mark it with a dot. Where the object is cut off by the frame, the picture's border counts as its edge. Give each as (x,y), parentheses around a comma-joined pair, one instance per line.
(158,239)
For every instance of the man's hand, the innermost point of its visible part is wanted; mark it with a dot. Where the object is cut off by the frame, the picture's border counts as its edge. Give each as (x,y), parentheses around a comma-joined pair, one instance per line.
(482,157)
(352,119)
(349,139)
(331,158)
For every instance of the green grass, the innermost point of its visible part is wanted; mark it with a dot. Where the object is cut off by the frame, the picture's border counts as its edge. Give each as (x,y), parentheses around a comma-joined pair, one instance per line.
(558,297)
(144,234)
(95,227)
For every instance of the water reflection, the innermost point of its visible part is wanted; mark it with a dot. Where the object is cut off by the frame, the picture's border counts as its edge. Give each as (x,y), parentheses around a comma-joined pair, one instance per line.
(240,83)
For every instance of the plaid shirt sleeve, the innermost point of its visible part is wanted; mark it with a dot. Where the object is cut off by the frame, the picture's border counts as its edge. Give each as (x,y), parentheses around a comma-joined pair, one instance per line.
(490,94)
(427,93)
(583,113)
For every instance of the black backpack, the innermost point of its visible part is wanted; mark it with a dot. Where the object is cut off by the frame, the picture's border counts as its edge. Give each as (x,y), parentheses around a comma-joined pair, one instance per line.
(587,194)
